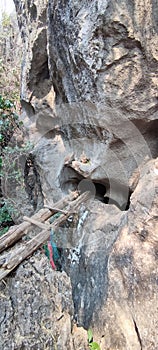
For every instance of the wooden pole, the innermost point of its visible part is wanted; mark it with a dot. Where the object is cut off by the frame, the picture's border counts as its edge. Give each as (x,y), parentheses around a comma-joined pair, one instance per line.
(17,232)
(28,248)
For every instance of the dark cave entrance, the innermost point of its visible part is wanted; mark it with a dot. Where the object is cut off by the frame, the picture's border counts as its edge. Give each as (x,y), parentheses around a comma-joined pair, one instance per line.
(70,179)
(100,191)
(100,195)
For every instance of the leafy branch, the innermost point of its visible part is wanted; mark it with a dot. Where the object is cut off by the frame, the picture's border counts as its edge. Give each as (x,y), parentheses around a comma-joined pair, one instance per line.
(92,345)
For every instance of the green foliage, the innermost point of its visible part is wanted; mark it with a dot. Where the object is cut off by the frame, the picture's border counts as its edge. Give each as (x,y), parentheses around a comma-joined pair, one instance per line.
(4,230)
(12,159)
(90,335)
(4,214)
(8,121)
(92,345)
(10,63)
(11,178)
(11,169)
(6,211)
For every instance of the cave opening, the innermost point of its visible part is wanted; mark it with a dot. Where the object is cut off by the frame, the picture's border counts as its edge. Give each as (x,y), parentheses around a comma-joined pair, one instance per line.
(102,190)
(102,194)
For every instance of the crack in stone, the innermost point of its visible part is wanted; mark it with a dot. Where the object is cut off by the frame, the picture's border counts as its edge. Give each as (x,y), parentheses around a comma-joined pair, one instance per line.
(138,334)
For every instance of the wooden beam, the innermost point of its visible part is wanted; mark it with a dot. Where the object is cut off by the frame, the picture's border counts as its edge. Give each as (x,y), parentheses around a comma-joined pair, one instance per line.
(36,222)
(55,210)
(31,246)
(18,231)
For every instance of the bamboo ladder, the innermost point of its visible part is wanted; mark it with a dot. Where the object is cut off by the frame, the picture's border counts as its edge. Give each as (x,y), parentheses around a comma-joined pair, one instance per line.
(66,206)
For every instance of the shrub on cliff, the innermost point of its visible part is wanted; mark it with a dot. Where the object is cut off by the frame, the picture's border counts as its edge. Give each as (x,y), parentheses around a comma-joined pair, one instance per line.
(9,122)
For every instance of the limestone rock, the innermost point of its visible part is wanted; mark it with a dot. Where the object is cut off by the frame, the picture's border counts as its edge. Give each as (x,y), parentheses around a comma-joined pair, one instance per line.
(130,311)
(89,84)
(34,301)
(110,257)
(89,87)
(106,52)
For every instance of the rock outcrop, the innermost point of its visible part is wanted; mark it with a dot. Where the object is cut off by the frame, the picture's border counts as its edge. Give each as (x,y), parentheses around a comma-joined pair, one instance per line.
(112,286)
(89,98)
(89,83)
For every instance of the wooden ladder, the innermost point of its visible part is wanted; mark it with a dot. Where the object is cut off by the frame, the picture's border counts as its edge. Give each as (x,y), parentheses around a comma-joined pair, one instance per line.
(68,205)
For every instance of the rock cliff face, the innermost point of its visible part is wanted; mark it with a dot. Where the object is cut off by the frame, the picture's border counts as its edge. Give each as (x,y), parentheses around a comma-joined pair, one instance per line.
(89,83)
(90,105)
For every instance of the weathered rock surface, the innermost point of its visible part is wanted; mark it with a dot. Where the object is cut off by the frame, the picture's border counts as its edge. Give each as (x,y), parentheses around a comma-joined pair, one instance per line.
(89,83)
(89,97)
(112,264)
(130,312)
(36,308)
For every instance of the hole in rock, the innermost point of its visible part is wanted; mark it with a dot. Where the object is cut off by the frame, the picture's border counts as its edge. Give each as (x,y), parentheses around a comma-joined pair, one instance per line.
(122,206)
(103,195)
(102,190)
